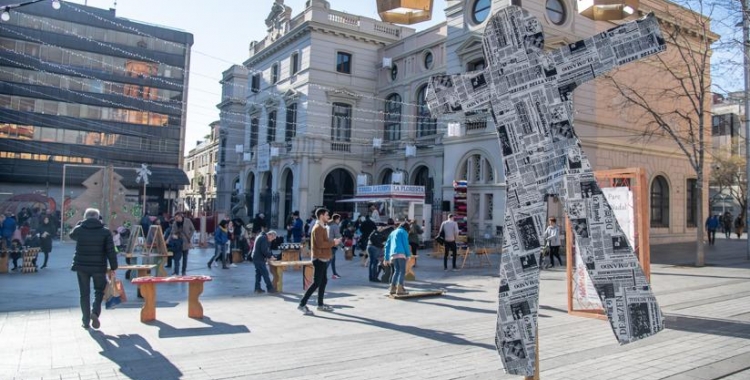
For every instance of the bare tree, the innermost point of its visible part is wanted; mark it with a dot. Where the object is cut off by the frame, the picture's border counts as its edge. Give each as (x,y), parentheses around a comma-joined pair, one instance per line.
(672,99)
(728,176)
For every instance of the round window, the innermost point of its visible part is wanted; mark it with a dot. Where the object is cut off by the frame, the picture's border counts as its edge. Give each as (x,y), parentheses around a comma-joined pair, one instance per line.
(394,72)
(428,60)
(480,10)
(556,11)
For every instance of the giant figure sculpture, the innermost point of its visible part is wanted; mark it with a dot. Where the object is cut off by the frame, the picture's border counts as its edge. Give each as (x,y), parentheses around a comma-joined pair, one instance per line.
(528,93)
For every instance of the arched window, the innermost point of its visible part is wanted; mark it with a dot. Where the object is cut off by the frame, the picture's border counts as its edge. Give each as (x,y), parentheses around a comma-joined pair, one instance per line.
(659,202)
(393,117)
(477,170)
(426,125)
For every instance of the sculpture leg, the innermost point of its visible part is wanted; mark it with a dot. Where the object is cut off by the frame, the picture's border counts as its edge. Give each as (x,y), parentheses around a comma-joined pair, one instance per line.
(611,264)
(518,306)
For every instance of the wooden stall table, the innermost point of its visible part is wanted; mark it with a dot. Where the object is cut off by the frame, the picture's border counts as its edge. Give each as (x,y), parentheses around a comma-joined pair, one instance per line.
(237,256)
(27,260)
(148,289)
(277,273)
(291,252)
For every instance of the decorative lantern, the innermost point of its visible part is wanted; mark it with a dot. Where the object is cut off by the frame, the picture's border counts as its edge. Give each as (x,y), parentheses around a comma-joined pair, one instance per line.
(606,10)
(405,11)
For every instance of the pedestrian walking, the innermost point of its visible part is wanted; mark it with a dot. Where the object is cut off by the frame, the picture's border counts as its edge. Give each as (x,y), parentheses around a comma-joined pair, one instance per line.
(726,224)
(450,229)
(397,251)
(334,232)
(46,231)
(739,226)
(320,250)
(415,238)
(184,228)
(94,249)
(261,254)
(712,224)
(375,245)
(552,237)
(221,238)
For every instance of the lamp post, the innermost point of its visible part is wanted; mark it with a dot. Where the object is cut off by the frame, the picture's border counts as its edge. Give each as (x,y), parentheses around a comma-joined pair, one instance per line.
(746,66)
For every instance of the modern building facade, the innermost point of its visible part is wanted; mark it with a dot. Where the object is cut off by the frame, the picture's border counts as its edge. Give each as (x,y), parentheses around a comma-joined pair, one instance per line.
(333,99)
(83,88)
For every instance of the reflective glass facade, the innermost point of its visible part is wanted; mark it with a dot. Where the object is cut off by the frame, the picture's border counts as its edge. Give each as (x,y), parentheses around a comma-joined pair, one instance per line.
(86,87)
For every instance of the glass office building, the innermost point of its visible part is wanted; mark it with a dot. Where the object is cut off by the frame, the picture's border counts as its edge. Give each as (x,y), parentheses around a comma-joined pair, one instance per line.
(81,88)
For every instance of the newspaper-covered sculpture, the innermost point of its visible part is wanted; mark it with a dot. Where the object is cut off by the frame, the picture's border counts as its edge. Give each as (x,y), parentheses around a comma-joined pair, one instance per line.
(528,93)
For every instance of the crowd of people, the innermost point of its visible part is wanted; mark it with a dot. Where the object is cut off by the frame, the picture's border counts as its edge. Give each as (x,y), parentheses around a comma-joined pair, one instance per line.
(29,228)
(388,246)
(726,223)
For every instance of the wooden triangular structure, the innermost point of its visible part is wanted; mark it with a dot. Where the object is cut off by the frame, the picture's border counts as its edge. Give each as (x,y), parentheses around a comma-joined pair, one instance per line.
(135,242)
(155,244)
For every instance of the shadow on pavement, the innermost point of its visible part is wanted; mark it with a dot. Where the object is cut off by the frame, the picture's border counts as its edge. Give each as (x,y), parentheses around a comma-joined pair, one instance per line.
(723,327)
(699,275)
(436,335)
(726,253)
(214,328)
(135,357)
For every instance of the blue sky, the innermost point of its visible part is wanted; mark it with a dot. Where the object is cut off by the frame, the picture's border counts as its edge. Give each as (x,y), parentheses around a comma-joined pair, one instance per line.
(222,30)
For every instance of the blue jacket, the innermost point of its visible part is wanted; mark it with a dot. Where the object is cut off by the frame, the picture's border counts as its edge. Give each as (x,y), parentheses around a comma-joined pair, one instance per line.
(712,223)
(9,226)
(297,230)
(220,236)
(398,242)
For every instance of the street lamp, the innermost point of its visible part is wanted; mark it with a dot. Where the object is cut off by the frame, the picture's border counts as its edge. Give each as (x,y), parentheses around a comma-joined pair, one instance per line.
(405,11)
(746,66)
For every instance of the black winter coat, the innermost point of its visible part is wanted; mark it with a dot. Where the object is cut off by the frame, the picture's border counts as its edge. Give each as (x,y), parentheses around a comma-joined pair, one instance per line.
(46,242)
(94,247)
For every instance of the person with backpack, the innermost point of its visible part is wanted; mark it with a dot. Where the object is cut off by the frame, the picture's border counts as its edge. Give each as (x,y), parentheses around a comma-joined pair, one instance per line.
(375,245)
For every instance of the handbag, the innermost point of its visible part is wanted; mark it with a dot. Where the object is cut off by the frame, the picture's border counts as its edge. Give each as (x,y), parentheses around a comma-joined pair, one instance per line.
(440,239)
(114,294)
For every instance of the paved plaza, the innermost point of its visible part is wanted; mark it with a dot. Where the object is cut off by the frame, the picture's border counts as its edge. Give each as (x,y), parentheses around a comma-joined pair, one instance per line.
(369,336)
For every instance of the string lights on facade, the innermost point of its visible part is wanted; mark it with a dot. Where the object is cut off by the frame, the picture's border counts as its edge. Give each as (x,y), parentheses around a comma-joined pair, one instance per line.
(5,14)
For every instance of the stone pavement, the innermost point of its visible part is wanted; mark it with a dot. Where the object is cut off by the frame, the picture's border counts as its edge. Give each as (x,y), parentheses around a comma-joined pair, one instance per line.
(369,336)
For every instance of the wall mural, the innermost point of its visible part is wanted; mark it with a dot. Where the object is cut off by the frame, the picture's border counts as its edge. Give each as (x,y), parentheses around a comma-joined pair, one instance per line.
(529,94)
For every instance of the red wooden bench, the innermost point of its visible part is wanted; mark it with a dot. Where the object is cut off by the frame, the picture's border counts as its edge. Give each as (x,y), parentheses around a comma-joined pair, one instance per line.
(148,290)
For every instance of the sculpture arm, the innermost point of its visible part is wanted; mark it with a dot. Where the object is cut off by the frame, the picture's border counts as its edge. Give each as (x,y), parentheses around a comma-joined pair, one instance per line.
(587,59)
(467,92)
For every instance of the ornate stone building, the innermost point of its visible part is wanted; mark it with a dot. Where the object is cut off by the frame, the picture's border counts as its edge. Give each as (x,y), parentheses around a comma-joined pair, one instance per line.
(332,98)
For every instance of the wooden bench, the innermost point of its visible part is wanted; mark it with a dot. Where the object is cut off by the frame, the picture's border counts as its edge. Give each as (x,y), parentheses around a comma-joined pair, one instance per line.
(4,256)
(277,273)
(161,260)
(141,270)
(409,275)
(148,290)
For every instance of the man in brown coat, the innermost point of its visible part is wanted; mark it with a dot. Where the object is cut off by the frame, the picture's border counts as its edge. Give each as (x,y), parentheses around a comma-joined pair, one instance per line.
(320,248)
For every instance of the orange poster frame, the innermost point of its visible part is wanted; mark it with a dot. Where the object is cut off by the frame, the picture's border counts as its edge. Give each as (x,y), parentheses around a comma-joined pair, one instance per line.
(635,180)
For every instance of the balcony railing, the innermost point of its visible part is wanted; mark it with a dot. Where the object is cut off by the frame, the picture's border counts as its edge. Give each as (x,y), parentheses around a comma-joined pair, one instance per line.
(341,147)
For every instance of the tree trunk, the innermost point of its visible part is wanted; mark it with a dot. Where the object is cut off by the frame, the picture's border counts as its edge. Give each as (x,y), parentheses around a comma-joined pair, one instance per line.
(700,231)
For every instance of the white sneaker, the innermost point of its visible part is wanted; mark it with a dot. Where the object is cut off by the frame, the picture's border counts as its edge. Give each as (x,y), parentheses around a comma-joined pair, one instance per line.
(305,310)
(233,265)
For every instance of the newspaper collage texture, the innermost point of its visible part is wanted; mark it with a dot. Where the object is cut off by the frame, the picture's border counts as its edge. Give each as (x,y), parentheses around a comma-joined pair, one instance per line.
(529,94)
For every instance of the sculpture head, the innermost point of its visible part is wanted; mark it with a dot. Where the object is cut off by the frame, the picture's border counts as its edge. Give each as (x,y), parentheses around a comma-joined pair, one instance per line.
(512,26)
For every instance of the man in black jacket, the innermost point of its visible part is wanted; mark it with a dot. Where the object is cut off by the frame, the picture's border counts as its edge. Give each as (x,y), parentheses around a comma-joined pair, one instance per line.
(261,253)
(94,248)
